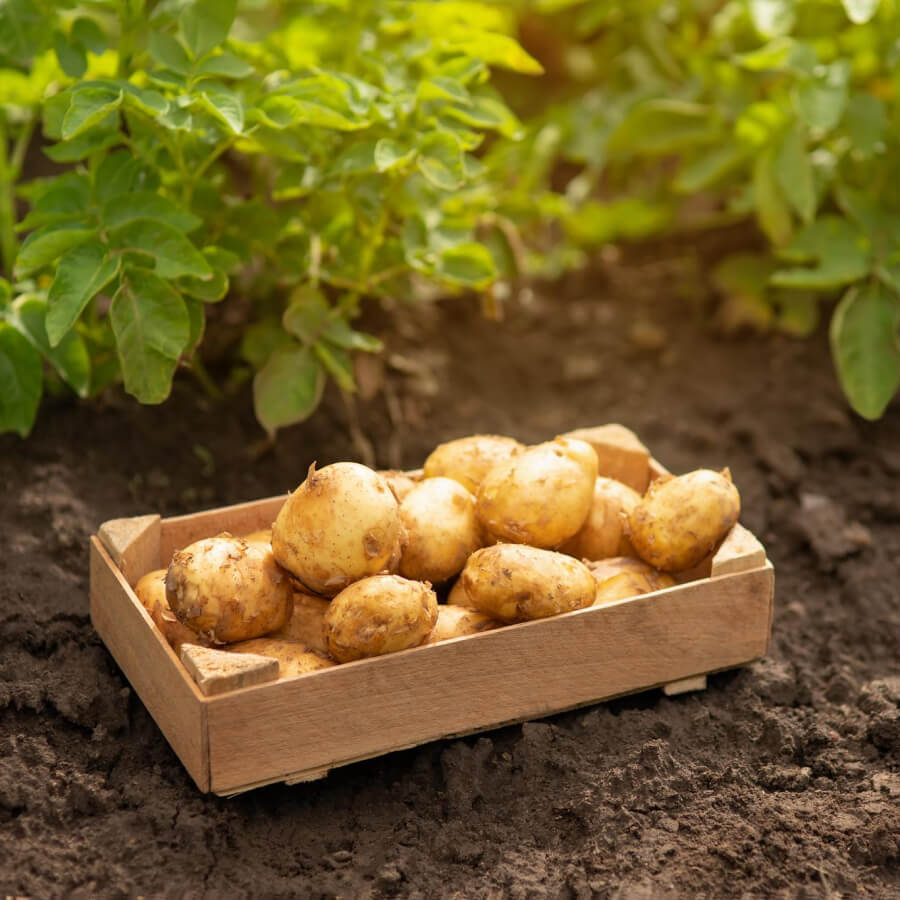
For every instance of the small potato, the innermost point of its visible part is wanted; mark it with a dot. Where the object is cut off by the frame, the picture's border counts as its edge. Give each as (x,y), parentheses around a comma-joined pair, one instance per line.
(540,497)
(441,530)
(340,525)
(681,519)
(263,536)
(617,565)
(294,657)
(151,591)
(307,623)
(511,582)
(400,483)
(227,590)
(458,595)
(468,459)
(457,621)
(603,534)
(378,615)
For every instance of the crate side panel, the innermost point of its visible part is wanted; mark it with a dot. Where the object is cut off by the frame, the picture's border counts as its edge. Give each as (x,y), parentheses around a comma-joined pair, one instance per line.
(149,665)
(242,518)
(522,672)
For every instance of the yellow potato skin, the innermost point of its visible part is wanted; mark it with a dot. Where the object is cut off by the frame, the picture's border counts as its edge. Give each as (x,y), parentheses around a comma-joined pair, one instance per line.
(262,536)
(540,497)
(468,459)
(681,519)
(340,525)
(604,569)
(458,595)
(512,582)
(294,657)
(151,591)
(457,621)
(307,622)
(603,533)
(225,589)
(441,530)
(378,615)
(400,483)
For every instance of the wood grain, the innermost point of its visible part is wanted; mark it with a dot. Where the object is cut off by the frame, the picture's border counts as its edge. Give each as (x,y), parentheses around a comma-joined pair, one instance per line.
(242,518)
(739,552)
(149,664)
(217,671)
(362,709)
(133,544)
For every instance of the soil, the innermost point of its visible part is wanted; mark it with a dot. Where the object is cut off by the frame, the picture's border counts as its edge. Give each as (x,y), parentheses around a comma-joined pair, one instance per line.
(780,780)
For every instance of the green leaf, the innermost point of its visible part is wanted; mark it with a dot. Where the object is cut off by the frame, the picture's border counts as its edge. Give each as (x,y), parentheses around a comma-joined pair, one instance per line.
(21,378)
(168,52)
(288,388)
(223,104)
(493,49)
(23,27)
(772,211)
(820,101)
(441,88)
(67,198)
(664,126)
(441,161)
(81,274)
(772,18)
(470,265)
(865,122)
(860,11)
(152,328)
(798,313)
(841,255)
(205,23)
(89,34)
(225,65)
(147,205)
(339,332)
(307,314)
(487,113)
(88,107)
(47,244)
(94,141)
(391,154)
(261,339)
(69,357)
(213,289)
(280,111)
(174,254)
(794,172)
(116,175)
(152,103)
(710,167)
(338,364)
(864,345)
(355,159)
(197,317)
(72,58)
(773,56)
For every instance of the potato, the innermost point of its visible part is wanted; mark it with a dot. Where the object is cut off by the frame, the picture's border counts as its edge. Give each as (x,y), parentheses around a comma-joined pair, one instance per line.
(294,657)
(340,525)
(617,565)
(621,586)
(263,536)
(511,582)
(468,459)
(458,595)
(620,454)
(681,519)
(151,591)
(400,483)
(541,496)
(603,533)
(441,530)
(307,622)
(378,615)
(227,590)
(456,621)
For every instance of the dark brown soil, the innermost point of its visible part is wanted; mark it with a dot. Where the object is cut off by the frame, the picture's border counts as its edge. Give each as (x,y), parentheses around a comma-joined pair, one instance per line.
(781,780)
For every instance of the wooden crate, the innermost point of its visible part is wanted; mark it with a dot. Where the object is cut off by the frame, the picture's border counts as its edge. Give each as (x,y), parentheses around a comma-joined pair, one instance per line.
(297,729)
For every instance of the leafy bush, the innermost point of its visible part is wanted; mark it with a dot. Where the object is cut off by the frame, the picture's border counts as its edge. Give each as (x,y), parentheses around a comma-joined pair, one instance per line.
(303,154)
(783,109)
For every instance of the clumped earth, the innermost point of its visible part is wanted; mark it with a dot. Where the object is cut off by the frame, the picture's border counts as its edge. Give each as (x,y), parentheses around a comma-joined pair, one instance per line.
(781,780)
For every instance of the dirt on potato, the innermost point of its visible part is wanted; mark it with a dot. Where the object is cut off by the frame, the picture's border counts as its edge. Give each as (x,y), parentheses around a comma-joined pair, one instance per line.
(781,780)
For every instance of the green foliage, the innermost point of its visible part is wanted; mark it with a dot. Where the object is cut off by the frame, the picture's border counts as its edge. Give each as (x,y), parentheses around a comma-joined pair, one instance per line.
(303,153)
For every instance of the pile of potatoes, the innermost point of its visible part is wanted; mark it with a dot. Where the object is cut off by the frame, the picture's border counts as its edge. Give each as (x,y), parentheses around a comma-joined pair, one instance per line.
(356,561)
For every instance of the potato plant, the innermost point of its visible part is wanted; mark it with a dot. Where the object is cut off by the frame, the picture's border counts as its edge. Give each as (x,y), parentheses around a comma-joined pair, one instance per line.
(300,153)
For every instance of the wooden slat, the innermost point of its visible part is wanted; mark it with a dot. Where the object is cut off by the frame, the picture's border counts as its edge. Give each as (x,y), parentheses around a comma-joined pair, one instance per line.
(362,709)
(695,683)
(657,469)
(242,518)
(218,671)
(149,664)
(133,544)
(739,552)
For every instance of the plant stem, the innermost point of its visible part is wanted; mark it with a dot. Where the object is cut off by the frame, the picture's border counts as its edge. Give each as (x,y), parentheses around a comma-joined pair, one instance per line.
(210,388)
(8,243)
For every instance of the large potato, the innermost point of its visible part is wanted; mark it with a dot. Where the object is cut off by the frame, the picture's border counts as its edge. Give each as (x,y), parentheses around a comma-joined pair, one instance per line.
(617,565)
(151,591)
(227,590)
(400,483)
(468,459)
(457,621)
(511,582)
(378,615)
(681,519)
(294,657)
(603,533)
(458,595)
(441,530)
(340,525)
(540,497)
(307,622)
